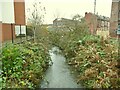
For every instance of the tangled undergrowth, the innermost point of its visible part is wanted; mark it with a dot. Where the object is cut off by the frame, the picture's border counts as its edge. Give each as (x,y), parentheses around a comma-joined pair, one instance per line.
(92,57)
(95,61)
(23,65)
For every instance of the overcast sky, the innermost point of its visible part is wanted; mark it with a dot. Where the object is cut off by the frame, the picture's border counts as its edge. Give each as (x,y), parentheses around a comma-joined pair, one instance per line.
(68,8)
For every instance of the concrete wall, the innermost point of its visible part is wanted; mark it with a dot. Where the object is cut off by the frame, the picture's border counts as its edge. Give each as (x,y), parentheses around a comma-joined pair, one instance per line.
(104,34)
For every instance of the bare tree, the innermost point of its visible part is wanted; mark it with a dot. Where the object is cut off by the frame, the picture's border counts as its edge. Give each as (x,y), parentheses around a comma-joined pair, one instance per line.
(36,17)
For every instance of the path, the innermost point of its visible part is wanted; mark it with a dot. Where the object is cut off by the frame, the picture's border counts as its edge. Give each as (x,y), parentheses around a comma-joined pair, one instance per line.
(58,75)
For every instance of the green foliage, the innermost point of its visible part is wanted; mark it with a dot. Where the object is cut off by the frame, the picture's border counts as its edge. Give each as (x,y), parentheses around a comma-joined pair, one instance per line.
(29,31)
(92,57)
(23,65)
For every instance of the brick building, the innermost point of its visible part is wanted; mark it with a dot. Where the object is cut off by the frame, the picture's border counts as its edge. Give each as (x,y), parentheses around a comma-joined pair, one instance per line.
(63,24)
(114,17)
(96,22)
(12,19)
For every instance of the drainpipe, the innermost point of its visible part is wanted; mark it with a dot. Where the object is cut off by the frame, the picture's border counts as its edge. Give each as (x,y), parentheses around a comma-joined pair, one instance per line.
(20,34)
(12,33)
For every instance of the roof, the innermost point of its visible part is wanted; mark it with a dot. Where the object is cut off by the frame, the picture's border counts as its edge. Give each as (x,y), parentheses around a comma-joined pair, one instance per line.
(99,17)
(60,19)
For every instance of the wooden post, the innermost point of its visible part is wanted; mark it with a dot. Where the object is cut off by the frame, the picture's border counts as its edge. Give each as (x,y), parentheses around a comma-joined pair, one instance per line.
(12,33)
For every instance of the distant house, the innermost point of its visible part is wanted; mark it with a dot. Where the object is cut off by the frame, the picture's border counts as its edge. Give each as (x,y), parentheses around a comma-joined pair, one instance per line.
(62,23)
(97,22)
(12,18)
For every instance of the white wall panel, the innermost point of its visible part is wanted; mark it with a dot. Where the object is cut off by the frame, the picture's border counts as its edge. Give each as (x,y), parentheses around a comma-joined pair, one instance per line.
(0,11)
(8,11)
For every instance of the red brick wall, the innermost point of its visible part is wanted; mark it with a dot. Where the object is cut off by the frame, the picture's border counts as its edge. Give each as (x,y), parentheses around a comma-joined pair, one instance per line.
(19,8)
(91,21)
(114,19)
(7,32)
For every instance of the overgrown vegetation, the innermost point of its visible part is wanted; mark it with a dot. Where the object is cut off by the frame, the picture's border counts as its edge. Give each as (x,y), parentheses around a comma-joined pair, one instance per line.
(23,65)
(94,60)
(92,57)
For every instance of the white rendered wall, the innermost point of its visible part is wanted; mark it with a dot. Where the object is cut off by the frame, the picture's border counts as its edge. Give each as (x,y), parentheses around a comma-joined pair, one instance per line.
(7,11)
(115,0)
(0,24)
(0,11)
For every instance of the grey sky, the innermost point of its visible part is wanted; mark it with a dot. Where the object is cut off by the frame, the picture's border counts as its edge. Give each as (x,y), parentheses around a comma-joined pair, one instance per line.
(68,8)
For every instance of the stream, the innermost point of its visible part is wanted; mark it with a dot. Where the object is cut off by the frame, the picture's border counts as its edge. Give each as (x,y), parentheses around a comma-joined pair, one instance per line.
(58,74)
